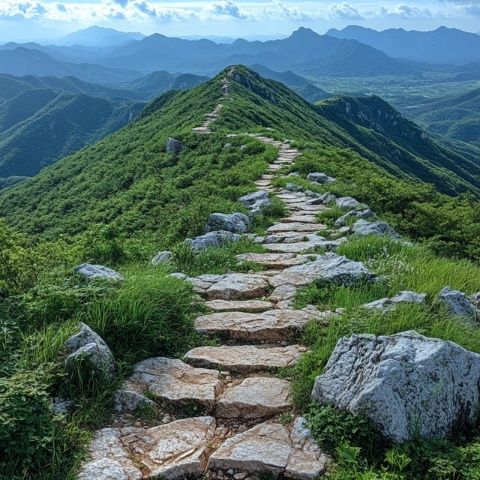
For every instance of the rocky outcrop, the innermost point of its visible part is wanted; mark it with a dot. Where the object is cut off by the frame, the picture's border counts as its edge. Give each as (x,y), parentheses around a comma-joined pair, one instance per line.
(88,345)
(162,257)
(458,304)
(318,177)
(363,228)
(389,304)
(174,146)
(349,203)
(212,239)
(256,202)
(407,384)
(233,222)
(344,220)
(92,272)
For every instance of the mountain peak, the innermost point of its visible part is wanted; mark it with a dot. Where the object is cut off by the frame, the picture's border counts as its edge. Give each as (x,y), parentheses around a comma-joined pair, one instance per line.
(304,33)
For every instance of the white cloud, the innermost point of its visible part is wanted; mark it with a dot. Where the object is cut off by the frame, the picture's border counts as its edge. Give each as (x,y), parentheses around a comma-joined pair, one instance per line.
(228,9)
(346,12)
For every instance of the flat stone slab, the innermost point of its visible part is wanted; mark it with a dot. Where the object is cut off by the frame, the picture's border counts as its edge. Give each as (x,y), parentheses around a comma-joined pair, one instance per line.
(245,358)
(252,306)
(170,380)
(273,260)
(173,451)
(296,247)
(273,325)
(238,286)
(329,267)
(272,448)
(294,227)
(301,219)
(255,397)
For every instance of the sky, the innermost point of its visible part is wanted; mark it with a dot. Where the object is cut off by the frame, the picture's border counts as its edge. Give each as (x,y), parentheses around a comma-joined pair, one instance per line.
(44,20)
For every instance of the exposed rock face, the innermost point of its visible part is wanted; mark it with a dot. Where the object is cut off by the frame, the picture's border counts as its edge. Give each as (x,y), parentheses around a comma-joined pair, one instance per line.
(362,228)
(162,257)
(365,214)
(255,397)
(174,451)
(326,268)
(256,201)
(318,177)
(98,271)
(212,239)
(349,203)
(174,146)
(272,448)
(89,345)
(233,222)
(406,384)
(388,304)
(170,380)
(245,358)
(458,304)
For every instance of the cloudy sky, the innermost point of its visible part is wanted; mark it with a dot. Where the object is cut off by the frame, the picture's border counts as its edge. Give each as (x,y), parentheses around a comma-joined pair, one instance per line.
(47,19)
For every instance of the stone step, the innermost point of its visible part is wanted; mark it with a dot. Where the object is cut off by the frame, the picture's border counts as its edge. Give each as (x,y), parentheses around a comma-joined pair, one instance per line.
(273,260)
(298,247)
(245,358)
(173,451)
(238,286)
(272,448)
(169,380)
(252,306)
(295,227)
(300,219)
(255,397)
(273,325)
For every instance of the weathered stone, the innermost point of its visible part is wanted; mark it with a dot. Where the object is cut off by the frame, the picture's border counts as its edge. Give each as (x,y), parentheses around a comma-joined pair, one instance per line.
(310,245)
(89,345)
(169,380)
(174,146)
(273,260)
(349,203)
(329,267)
(252,306)
(298,218)
(294,227)
(244,358)
(232,222)
(458,304)
(256,200)
(98,272)
(363,228)
(173,451)
(407,384)
(212,239)
(255,397)
(475,298)
(238,286)
(273,325)
(358,214)
(388,304)
(282,293)
(293,187)
(272,448)
(162,257)
(318,177)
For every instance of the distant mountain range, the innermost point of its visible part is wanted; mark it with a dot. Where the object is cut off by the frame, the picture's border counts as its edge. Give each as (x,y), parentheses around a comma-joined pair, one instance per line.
(96,36)
(443,45)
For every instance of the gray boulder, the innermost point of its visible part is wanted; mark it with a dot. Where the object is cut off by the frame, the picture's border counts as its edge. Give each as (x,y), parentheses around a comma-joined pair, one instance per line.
(318,177)
(98,271)
(458,304)
(362,228)
(293,187)
(162,257)
(389,304)
(174,146)
(407,384)
(364,214)
(349,203)
(229,222)
(212,239)
(256,202)
(88,344)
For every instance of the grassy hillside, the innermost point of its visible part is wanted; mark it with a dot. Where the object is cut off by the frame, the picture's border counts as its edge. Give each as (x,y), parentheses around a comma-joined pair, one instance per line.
(121,200)
(456,117)
(63,124)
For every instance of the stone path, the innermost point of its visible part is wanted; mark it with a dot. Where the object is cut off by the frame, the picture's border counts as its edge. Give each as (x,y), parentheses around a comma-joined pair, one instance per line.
(249,426)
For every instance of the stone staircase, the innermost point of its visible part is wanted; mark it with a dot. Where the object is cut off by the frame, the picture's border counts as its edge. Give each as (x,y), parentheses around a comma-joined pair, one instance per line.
(247,424)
